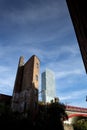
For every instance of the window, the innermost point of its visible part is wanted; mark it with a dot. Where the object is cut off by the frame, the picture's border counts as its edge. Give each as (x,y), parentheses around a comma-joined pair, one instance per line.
(35,92)
(37,77)
(35,105)
(37,65)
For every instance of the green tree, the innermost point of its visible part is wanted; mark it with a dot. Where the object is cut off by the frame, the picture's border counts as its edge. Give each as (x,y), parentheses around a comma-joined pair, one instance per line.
(80,124)
(51,115)
(48,116)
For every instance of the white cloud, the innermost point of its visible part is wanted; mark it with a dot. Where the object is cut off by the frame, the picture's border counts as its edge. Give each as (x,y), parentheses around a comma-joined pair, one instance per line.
(46,31)
(63,74)
(74,95)
(32,12)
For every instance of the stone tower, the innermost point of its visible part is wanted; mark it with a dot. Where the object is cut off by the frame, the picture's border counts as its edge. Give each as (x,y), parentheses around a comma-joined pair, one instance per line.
(25,93)
(19,76)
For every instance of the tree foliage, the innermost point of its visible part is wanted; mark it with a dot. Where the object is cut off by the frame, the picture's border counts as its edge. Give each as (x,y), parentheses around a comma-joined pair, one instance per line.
(51,115)
(80,124)
(48,116)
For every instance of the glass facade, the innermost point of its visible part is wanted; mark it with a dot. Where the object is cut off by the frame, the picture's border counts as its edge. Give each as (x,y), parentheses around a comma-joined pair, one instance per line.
(48,86)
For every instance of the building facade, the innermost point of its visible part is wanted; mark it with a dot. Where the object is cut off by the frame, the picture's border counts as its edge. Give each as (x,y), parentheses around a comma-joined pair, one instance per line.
(25,92)
(78,13)
(48,86)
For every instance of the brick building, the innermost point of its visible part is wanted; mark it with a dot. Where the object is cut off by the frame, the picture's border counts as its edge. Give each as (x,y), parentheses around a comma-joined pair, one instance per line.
(25,92)
(5,99)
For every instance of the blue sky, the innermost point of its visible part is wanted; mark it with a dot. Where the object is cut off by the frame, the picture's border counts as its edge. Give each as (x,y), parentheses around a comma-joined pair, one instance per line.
(43,28)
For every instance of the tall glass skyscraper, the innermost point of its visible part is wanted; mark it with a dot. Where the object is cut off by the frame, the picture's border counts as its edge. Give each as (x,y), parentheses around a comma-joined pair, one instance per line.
(48,85)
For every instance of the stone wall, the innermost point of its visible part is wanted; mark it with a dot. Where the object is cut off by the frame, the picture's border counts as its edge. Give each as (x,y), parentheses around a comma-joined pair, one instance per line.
(25,93)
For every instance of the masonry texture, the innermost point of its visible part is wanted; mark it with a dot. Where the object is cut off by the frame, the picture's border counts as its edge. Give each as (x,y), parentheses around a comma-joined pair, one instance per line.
(6,99)
(25,93)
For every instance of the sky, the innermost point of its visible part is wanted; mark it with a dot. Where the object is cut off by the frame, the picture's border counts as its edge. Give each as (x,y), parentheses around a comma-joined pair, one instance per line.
(42,28)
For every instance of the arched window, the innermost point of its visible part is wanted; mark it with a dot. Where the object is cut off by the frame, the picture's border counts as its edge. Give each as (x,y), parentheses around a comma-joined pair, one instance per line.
(37,65)
(37,77)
